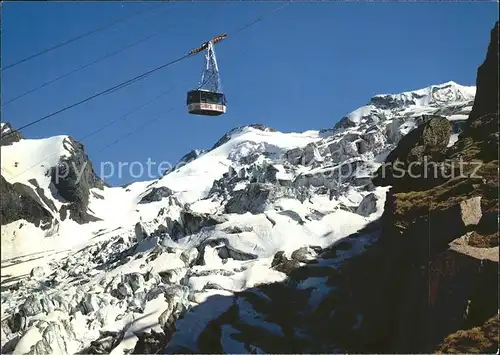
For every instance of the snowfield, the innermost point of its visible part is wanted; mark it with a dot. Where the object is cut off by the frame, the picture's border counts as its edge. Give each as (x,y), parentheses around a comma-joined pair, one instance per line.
(196,245)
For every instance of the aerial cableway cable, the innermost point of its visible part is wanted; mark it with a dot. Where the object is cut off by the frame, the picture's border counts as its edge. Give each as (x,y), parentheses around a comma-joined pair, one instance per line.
(107,91)
(120,118)
(141,40)
(78,69)
(130,81)
(108,124)
(86,34)
(135,130)
(135,109)
(260,18)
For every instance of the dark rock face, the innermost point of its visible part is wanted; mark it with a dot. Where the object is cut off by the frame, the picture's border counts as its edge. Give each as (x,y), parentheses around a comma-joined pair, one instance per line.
(157,194)
(192,155)
(14,323)
(483,119)
(391,101)
(237,229)
(194,222)
(252,199)
(106,342)
(191,223)
(225,138)
(368,205)
(294,156)
(224,251)
(416,157)
(140,232)
(279,258)
(287,266)
(8,135)
(344,123)
(260,177)
(19,201)
(304,156)
(73,178)
(74,212)
(429,139)
(304,255)
(455,220)
(150,343)
(481,130)
(249,159)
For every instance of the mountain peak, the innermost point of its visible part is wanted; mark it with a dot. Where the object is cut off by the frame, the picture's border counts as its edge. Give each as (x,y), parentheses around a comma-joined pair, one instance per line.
(448,92)
(384,106)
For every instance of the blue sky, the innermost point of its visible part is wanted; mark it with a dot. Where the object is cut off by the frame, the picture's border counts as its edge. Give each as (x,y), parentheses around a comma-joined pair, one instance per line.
(301,68)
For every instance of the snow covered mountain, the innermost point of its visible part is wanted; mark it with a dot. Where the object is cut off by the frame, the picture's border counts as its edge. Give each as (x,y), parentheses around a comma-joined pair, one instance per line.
(44,182)
(98,269)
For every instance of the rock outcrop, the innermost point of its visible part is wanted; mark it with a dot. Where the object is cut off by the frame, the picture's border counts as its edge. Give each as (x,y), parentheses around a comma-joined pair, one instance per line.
(19,201)
(157,194)
(483,120)
(8,135)
(418,156)
(368,205)
(252,199)
(189,223)
(73,178)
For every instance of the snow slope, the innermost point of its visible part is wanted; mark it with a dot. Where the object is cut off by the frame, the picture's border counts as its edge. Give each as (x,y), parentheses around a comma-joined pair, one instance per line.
(195,241)
(24,162)
(30,158)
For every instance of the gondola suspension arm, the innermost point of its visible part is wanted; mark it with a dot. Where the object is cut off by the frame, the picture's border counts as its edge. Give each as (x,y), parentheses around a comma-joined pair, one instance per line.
(205,45)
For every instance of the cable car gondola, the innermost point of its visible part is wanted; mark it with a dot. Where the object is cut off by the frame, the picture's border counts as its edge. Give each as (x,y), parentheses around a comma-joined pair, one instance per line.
(204,102)
(208,99)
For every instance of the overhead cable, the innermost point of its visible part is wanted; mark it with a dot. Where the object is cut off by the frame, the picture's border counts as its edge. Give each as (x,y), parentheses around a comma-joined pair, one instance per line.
(141,40)
(71,40)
